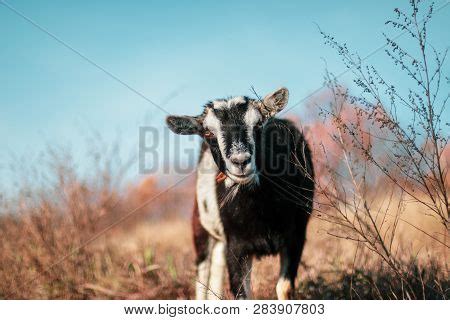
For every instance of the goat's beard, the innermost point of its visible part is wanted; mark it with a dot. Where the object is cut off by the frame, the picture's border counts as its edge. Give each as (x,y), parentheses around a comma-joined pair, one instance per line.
(232,187)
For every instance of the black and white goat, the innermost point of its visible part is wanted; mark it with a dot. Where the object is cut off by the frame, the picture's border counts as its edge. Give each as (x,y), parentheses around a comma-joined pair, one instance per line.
(255,187)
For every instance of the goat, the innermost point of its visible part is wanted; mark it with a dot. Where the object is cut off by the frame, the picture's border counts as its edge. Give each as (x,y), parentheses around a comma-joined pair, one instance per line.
(254,192)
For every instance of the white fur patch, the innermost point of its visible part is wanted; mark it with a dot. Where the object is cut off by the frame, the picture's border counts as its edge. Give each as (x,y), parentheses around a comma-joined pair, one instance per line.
(252,117)
(229,182)
(206,196)
(217,272)
(211,122)
(223,104)
(201,285)
(236,101)
(211,273)
(283,289)
(220,104)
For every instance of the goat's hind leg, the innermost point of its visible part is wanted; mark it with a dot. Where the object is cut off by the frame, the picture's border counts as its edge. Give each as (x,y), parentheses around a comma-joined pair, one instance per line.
(289,260)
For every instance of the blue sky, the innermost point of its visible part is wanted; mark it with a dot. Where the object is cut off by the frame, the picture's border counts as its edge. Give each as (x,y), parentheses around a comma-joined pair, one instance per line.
(177,53)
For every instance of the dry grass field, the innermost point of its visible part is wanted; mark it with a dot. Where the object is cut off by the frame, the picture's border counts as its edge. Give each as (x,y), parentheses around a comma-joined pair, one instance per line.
(57,243)
(329,268)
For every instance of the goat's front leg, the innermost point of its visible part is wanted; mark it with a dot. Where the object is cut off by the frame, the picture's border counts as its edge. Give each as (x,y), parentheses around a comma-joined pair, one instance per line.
(289,261)
(239,272)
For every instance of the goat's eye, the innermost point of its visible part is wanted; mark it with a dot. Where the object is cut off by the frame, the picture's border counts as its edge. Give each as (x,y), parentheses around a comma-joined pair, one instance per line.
(208,134)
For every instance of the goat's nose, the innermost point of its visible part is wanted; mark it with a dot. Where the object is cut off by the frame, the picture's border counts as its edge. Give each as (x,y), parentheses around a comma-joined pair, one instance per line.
(241,159)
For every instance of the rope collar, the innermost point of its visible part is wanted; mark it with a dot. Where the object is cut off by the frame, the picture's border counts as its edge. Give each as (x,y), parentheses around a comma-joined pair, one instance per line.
(221,177)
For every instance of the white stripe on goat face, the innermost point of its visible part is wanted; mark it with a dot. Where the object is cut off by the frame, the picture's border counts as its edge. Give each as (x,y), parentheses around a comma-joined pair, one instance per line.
(252,118)
(212,123)
(236,144)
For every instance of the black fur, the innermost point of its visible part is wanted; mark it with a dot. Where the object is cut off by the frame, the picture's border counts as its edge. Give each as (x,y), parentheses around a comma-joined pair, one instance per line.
(270,218)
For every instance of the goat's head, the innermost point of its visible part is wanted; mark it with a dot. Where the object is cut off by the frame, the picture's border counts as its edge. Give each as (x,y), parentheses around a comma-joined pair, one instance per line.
(230,128)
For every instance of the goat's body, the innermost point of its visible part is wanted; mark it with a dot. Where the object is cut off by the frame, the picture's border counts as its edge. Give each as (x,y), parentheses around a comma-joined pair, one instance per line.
(234,223)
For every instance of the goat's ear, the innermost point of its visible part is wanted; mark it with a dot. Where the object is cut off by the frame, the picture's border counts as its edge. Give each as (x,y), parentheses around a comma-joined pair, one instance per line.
(275,102)
(184,124)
